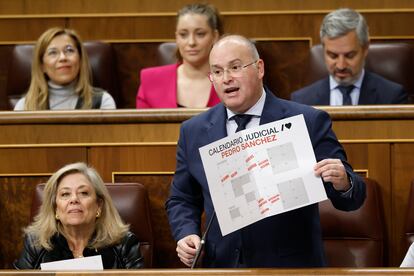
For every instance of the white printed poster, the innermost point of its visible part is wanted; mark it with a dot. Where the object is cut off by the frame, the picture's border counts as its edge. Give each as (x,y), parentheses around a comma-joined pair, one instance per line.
(261,172)
(86,264)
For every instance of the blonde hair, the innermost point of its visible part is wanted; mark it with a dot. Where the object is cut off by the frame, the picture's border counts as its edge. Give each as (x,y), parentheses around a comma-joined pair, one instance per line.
(37,96)
(109,227)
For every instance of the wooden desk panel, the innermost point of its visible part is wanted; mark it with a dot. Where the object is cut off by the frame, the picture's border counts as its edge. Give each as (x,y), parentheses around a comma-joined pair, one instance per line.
(402,172)
(137,145)
(31,159)
(220,272)
(141,158)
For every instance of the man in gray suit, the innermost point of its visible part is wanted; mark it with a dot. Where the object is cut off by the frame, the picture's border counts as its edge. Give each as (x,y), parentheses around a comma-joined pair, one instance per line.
(345,39)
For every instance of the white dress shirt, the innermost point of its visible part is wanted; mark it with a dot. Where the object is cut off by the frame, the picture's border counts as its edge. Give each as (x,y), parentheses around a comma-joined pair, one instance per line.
(255,110)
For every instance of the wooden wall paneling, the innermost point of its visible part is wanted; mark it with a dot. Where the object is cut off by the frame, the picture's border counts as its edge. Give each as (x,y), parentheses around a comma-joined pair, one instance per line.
(379,129)
(307,5)
(375,159)
(127,6)
(87,6)
(390,23)
(141,158)
(161,27)
(358,153)
(38,160)
(142,28)
(136,24)
(274,25)
(379,162)
(26,29)
(284,71)
(15,203)
(402,171)
(131,59)
(97,133)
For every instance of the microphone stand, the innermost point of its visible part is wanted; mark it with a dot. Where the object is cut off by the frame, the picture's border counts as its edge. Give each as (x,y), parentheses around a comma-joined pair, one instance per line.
(202,242)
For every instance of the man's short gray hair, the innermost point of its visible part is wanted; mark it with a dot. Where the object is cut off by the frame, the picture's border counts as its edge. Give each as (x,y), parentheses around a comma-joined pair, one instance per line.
(342,21)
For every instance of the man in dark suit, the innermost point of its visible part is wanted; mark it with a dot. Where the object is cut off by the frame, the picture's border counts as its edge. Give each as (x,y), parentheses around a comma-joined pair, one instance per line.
(345,40)
(291,239)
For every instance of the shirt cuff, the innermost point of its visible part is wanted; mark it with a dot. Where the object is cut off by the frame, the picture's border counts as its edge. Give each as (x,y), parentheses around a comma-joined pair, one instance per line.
(348,193)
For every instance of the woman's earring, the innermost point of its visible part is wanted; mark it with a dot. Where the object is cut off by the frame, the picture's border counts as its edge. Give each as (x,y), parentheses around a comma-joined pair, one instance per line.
(98,214)
(57,217)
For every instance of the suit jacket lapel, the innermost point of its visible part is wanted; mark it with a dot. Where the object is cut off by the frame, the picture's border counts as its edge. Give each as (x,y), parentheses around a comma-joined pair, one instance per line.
(324,93)
(216,128)
(368,92)
(272,110)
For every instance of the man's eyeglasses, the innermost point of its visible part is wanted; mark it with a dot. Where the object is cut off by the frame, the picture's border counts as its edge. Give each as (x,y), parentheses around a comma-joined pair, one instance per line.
(54,53)
(234,70)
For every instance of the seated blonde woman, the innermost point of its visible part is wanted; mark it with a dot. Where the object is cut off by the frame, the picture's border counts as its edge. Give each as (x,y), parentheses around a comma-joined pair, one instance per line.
(61,77)
(78,219)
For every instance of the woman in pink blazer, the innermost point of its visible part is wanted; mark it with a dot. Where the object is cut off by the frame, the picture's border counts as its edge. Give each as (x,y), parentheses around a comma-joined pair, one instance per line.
(186,83)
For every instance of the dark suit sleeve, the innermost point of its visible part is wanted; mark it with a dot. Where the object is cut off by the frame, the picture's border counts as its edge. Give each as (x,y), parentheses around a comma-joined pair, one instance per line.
(305,95)
(185,203)
(318,93)
(401,96)
(294,96)
(389,92)
(326,145)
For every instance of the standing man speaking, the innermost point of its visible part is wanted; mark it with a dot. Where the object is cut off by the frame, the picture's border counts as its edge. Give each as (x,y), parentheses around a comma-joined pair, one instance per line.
(291,239)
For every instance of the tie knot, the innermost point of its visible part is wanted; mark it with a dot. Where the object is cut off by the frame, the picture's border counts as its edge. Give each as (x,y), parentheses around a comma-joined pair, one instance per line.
(346,93)
(346,89)
(242,120)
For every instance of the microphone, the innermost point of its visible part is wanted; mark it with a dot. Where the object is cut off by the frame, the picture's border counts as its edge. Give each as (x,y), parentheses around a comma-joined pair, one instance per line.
(202,242)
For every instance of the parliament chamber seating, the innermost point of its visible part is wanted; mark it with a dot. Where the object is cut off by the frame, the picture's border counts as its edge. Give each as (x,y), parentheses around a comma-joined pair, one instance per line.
(356,238)
(101,58)
(167,53)
(392,61)
(131,201)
